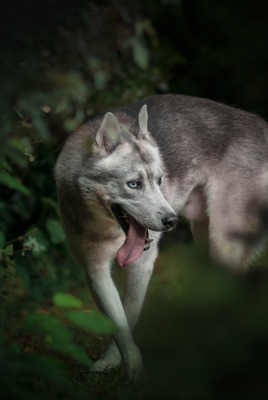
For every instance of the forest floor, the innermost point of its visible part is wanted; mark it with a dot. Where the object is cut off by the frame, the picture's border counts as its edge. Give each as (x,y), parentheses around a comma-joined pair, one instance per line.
(203,332)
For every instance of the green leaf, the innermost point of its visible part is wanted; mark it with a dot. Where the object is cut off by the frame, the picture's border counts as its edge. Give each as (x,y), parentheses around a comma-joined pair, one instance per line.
(55,231)
(12,183)
(73,350)
(5,165)
(57,336)
(66,301)
(91,321)
(9,250)
(48,324)
(140,53)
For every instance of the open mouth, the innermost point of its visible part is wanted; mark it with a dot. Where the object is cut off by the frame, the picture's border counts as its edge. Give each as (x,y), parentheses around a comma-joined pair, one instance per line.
(137,237)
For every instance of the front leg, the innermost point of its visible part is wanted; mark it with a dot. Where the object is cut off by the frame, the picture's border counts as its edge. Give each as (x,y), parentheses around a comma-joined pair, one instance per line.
(138,275)
(108,299)
(96,258)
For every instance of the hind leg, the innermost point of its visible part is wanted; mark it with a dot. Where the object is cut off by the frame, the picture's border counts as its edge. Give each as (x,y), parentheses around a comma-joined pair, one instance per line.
(236,230)
(232,253)
(195,210)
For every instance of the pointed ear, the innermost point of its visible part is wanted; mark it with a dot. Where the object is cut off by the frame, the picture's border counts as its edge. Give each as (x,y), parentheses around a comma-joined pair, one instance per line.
(108,134)
(143,123)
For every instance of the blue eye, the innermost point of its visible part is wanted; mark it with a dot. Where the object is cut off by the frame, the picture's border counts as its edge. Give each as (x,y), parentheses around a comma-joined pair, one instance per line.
(134,184)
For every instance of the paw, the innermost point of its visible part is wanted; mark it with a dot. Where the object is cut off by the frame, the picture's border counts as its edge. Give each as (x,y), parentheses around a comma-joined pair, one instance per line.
(135,370)
(136,374)
(110,359)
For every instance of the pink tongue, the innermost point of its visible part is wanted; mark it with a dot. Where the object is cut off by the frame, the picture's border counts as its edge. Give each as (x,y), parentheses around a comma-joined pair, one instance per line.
(133,245)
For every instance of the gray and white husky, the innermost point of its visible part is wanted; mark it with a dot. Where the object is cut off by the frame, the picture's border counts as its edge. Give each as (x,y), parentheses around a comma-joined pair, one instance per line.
(123,178)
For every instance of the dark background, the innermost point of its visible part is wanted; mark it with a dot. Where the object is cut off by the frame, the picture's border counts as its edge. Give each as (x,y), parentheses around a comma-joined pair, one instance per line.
(203,332)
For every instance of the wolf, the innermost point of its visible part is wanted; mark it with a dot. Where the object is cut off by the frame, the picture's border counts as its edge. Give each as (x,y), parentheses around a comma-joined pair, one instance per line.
(125,176)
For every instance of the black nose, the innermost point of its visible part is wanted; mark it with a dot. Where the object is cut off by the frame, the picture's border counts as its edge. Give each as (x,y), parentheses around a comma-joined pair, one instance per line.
(169,221)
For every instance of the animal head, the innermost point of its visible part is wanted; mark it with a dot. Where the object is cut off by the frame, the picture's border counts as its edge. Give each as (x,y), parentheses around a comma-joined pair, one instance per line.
(126,173)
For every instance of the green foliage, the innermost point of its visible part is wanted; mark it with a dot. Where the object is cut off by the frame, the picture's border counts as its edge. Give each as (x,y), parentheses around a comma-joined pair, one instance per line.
(66,301)
(57,336)
(55,231)
(93,322)
(53,334)
(47,92)
(12,183)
